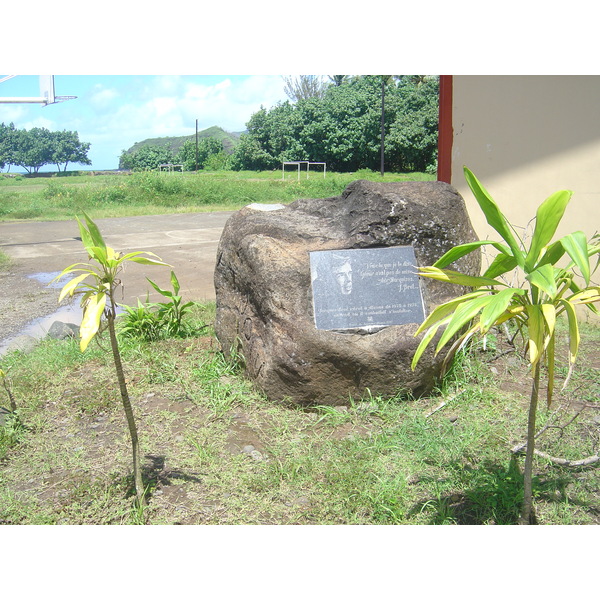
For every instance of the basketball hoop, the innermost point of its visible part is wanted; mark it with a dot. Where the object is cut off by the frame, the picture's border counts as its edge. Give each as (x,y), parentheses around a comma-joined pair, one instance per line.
(47,95)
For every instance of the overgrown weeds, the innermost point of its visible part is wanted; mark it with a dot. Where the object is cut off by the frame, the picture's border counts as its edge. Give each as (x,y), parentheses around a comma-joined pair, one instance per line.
(159,193)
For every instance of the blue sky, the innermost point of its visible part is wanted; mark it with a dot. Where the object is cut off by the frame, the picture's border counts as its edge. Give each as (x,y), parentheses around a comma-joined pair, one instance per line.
(112,112)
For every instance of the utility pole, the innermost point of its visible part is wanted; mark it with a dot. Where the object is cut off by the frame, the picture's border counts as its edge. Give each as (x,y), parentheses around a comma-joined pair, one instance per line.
(383,78)
(196,145)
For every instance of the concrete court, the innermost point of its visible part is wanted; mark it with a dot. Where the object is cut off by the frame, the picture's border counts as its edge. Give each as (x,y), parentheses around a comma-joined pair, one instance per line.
(186,241)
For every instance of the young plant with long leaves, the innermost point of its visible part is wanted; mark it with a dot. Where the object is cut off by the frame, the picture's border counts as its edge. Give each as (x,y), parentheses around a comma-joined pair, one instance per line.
(554,279)
(155,320)
(97,282)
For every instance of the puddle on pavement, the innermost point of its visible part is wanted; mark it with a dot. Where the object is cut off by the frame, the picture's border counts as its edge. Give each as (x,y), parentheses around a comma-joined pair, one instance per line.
(46,279)
(38,328)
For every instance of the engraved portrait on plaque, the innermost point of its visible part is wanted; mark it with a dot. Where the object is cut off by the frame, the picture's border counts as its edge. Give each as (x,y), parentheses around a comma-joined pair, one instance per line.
(365,288)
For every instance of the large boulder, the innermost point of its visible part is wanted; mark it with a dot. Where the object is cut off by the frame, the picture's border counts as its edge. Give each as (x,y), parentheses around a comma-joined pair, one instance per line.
(264,292)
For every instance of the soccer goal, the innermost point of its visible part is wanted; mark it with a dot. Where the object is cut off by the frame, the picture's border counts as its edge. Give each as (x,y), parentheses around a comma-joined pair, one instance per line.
(299,163)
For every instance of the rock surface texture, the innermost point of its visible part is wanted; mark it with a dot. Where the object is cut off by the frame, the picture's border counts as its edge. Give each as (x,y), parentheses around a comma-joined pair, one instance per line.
(264,296)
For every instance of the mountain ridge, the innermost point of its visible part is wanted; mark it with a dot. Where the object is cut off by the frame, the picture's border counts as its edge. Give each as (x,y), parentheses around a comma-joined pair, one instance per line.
(229,139)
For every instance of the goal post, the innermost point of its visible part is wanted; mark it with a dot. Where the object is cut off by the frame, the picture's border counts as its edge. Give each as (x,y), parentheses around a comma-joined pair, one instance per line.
(299,163)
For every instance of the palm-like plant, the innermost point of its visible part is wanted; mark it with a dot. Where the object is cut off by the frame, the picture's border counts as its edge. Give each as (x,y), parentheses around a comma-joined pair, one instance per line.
(97,283)
(546,291)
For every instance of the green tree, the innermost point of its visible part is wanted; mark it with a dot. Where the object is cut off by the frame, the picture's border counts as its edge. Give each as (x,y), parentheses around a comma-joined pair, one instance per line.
(32,149)
(413,134)
(66,148)
(354,114)
(303,87)
(250,156)
(146,158)
(548,291)
(7,142)
(207,147)
(346,125)
(218,162)
(338,80)
(385,81)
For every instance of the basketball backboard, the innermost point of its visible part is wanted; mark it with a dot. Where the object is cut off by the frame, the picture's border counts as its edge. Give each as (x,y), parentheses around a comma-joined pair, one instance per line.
(47,95)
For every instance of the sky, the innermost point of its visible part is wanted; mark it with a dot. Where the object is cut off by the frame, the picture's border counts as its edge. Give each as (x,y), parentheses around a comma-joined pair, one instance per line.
(93,53)
(113,112)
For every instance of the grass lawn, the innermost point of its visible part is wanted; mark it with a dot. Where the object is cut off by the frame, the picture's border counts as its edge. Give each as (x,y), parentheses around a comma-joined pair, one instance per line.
(217,452)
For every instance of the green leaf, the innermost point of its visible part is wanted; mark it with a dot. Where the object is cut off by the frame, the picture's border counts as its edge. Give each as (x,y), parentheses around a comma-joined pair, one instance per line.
(70,286)
(91,319)
(535,326)
(552,254)
(461,317)
(94,232)
(443,310)
(462,250)
(543,279)
(98,253)
(166,293)
(550,362)
(148,261)
(493,215)
(576,247)
(457,278)
(175,282)
(574,337)
(501,264)
(497,307)
(71,269)
(548,217)
(86,238)
(426,340)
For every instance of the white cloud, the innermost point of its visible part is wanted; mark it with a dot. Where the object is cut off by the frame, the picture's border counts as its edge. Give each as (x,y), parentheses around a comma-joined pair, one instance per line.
(170,105)
(10,113)
(102,98)
(230,103)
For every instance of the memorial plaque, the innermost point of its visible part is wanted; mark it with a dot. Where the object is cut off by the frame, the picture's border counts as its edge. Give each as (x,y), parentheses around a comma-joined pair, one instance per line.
(370,287)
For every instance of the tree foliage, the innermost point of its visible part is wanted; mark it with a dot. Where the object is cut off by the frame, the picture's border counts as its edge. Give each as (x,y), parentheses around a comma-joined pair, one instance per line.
(37,147)
(303,87)
(66,148)
(190,156)
(342,126)
(209,152)
(146,158)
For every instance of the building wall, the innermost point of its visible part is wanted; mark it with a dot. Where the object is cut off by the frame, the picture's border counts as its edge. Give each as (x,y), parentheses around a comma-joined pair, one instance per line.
(526,137)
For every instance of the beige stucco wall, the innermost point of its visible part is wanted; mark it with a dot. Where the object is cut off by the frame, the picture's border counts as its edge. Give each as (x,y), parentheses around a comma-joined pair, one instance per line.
(526,137)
